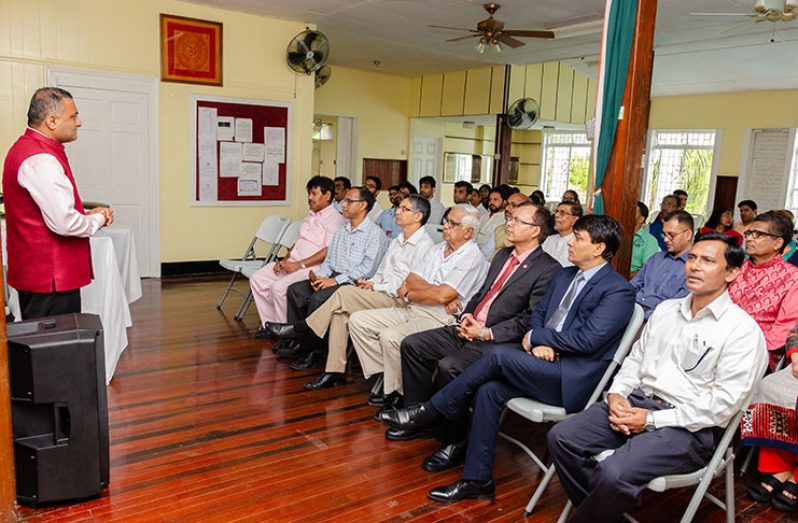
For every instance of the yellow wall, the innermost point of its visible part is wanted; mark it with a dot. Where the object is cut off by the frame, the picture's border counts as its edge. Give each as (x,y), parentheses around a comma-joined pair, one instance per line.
(379,102)
(732,113)
(118,36)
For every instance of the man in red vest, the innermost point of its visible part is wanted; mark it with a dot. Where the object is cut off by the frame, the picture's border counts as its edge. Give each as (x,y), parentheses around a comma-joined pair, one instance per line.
(48,230)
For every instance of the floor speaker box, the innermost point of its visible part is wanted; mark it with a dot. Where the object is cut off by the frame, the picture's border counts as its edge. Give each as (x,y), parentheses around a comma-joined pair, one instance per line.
(59,408)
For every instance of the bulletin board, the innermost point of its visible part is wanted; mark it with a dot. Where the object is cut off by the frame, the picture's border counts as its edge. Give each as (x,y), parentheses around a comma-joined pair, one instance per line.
(239,153)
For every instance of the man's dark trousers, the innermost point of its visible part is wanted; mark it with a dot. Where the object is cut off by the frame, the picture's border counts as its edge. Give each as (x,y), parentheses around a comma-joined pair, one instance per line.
(604,491)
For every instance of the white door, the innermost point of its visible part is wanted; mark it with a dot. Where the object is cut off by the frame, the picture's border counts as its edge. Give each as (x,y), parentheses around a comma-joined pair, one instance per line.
(427,158)
(114,158)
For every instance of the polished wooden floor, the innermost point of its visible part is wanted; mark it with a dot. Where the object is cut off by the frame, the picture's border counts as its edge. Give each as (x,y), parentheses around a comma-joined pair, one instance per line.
(206,425)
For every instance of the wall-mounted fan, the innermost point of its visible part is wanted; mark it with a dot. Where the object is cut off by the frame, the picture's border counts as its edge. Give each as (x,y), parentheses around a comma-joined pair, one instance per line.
(766,11)
(523,114)
(491,32)
(308,51)
(322,75)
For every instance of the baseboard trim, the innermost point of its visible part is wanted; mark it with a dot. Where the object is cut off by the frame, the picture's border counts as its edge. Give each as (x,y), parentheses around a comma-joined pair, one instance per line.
(191,268)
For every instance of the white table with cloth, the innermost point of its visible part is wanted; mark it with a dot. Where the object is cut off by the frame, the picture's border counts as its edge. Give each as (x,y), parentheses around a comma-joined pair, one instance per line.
(116,284)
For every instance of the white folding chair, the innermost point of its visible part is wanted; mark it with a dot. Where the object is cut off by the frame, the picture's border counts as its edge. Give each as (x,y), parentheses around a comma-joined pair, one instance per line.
(539,412)
(722,462)
(270,231)
(287,240)
(435,231)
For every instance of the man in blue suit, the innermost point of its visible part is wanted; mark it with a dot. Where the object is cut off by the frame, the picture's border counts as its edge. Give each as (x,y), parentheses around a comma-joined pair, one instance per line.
(574,332)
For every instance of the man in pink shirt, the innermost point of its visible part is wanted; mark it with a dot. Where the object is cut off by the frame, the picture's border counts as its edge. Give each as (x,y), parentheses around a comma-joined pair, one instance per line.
(270,284)
(767,287)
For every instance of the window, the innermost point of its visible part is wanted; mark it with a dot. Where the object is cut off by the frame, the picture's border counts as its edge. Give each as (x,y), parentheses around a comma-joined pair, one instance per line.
(566,164)
(792,193)
(680,160)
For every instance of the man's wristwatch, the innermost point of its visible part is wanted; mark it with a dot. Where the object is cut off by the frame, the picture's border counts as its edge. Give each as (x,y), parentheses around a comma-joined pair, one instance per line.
(650,422)
(302,264)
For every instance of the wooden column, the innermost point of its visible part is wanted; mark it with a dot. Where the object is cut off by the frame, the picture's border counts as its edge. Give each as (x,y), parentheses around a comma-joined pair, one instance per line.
(7,483)
(621,187)
(504,140)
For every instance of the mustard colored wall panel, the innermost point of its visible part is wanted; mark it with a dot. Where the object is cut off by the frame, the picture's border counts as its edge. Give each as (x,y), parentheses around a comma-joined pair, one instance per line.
(579,104)
(414,104)
(453,93)
(534,81)
(477,91)
(565,91)
(497,89)
(517,81)
(548,97)
(431,92)
(591,99)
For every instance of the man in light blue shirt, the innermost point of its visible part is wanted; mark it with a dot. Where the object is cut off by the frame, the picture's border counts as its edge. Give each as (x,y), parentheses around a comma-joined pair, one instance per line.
(387,220)
(663,277)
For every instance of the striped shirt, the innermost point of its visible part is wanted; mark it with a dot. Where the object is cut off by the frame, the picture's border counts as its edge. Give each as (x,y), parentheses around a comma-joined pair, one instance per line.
(354,254)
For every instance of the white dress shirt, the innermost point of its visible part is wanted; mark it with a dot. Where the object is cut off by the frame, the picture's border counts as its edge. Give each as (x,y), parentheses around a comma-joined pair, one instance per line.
(436,211)
(487,227)
(557,247)
(375,212)
(44,178)
(401,258)
(463,270)
(705,365)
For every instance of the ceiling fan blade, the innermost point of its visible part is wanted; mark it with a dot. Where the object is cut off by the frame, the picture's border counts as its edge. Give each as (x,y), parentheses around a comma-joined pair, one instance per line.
(530,34)
(462,38)
(509,41)
(454,28)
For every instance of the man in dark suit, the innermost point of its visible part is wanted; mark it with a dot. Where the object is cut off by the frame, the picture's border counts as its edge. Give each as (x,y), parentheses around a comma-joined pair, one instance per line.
(574,332)
(499,313)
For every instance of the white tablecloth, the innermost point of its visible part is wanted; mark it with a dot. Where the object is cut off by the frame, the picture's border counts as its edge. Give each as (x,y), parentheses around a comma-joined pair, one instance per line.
(116,281)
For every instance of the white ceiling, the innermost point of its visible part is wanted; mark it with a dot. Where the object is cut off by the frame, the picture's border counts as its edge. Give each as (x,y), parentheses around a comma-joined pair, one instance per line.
(694,54)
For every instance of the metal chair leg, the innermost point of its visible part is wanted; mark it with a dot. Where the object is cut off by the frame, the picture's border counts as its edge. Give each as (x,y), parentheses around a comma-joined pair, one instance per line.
(227,290)
(244,307)
(729,487)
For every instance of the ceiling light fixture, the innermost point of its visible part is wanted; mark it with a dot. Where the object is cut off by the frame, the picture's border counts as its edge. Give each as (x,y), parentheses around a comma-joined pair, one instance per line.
(482,45)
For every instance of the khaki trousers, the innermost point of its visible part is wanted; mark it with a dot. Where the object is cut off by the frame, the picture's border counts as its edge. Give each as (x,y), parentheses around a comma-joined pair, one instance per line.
(334,314)
(377,335)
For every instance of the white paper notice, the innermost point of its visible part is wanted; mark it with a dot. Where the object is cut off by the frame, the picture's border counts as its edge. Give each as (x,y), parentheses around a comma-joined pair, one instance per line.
(225,128)
(271,172)
(243,129)
(274,138)
(207,145)
(230,151)
(254,152)
(207,179)
(229,168)
(206,120)
(249,180)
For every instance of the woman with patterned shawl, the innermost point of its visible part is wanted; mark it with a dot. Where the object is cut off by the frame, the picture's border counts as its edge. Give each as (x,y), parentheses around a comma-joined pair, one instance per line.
(770,424)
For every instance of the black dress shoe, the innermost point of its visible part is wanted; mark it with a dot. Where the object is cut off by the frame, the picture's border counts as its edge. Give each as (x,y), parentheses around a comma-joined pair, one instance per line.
(445,458)
(415,418)
(462,489)
(295,331)
(406,435)
(263,334)
(376,399)
(313,359)
(326,380)
(291,349)
(392,401)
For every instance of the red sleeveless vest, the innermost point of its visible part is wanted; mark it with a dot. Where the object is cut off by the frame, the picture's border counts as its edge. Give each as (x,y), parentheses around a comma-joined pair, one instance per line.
(40,260)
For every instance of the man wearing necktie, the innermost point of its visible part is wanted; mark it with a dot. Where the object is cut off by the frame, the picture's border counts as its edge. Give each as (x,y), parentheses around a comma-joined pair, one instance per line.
(572,337)
(499,313)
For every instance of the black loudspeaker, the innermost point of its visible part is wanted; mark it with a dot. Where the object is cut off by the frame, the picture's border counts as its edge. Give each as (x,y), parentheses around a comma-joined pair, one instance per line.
(59,408)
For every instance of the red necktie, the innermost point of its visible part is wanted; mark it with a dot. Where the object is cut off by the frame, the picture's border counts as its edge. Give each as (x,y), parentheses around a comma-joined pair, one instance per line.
(497,285)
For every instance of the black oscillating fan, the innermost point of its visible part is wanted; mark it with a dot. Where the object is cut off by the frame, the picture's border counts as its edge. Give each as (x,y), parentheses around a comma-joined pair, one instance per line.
(308,51)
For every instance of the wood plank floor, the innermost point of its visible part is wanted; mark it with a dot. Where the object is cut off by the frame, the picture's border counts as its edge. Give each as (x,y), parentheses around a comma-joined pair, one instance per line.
(206,425)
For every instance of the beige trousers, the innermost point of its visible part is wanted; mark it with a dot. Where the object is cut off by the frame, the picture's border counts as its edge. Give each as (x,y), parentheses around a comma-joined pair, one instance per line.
(377,335)
(333,316)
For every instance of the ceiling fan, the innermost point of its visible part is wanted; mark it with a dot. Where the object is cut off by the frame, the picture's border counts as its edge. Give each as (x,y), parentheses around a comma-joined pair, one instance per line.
(491,32)
(766,11)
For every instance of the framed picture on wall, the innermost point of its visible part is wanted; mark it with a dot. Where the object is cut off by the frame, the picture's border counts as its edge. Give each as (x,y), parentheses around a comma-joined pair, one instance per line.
(191,50)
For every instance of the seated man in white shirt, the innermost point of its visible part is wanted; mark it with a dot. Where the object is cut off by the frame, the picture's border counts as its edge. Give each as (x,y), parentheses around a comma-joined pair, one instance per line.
(568,212)
(487,226)
(426,187)
(406,252)
(373,185)
(451,274)
(691,370)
